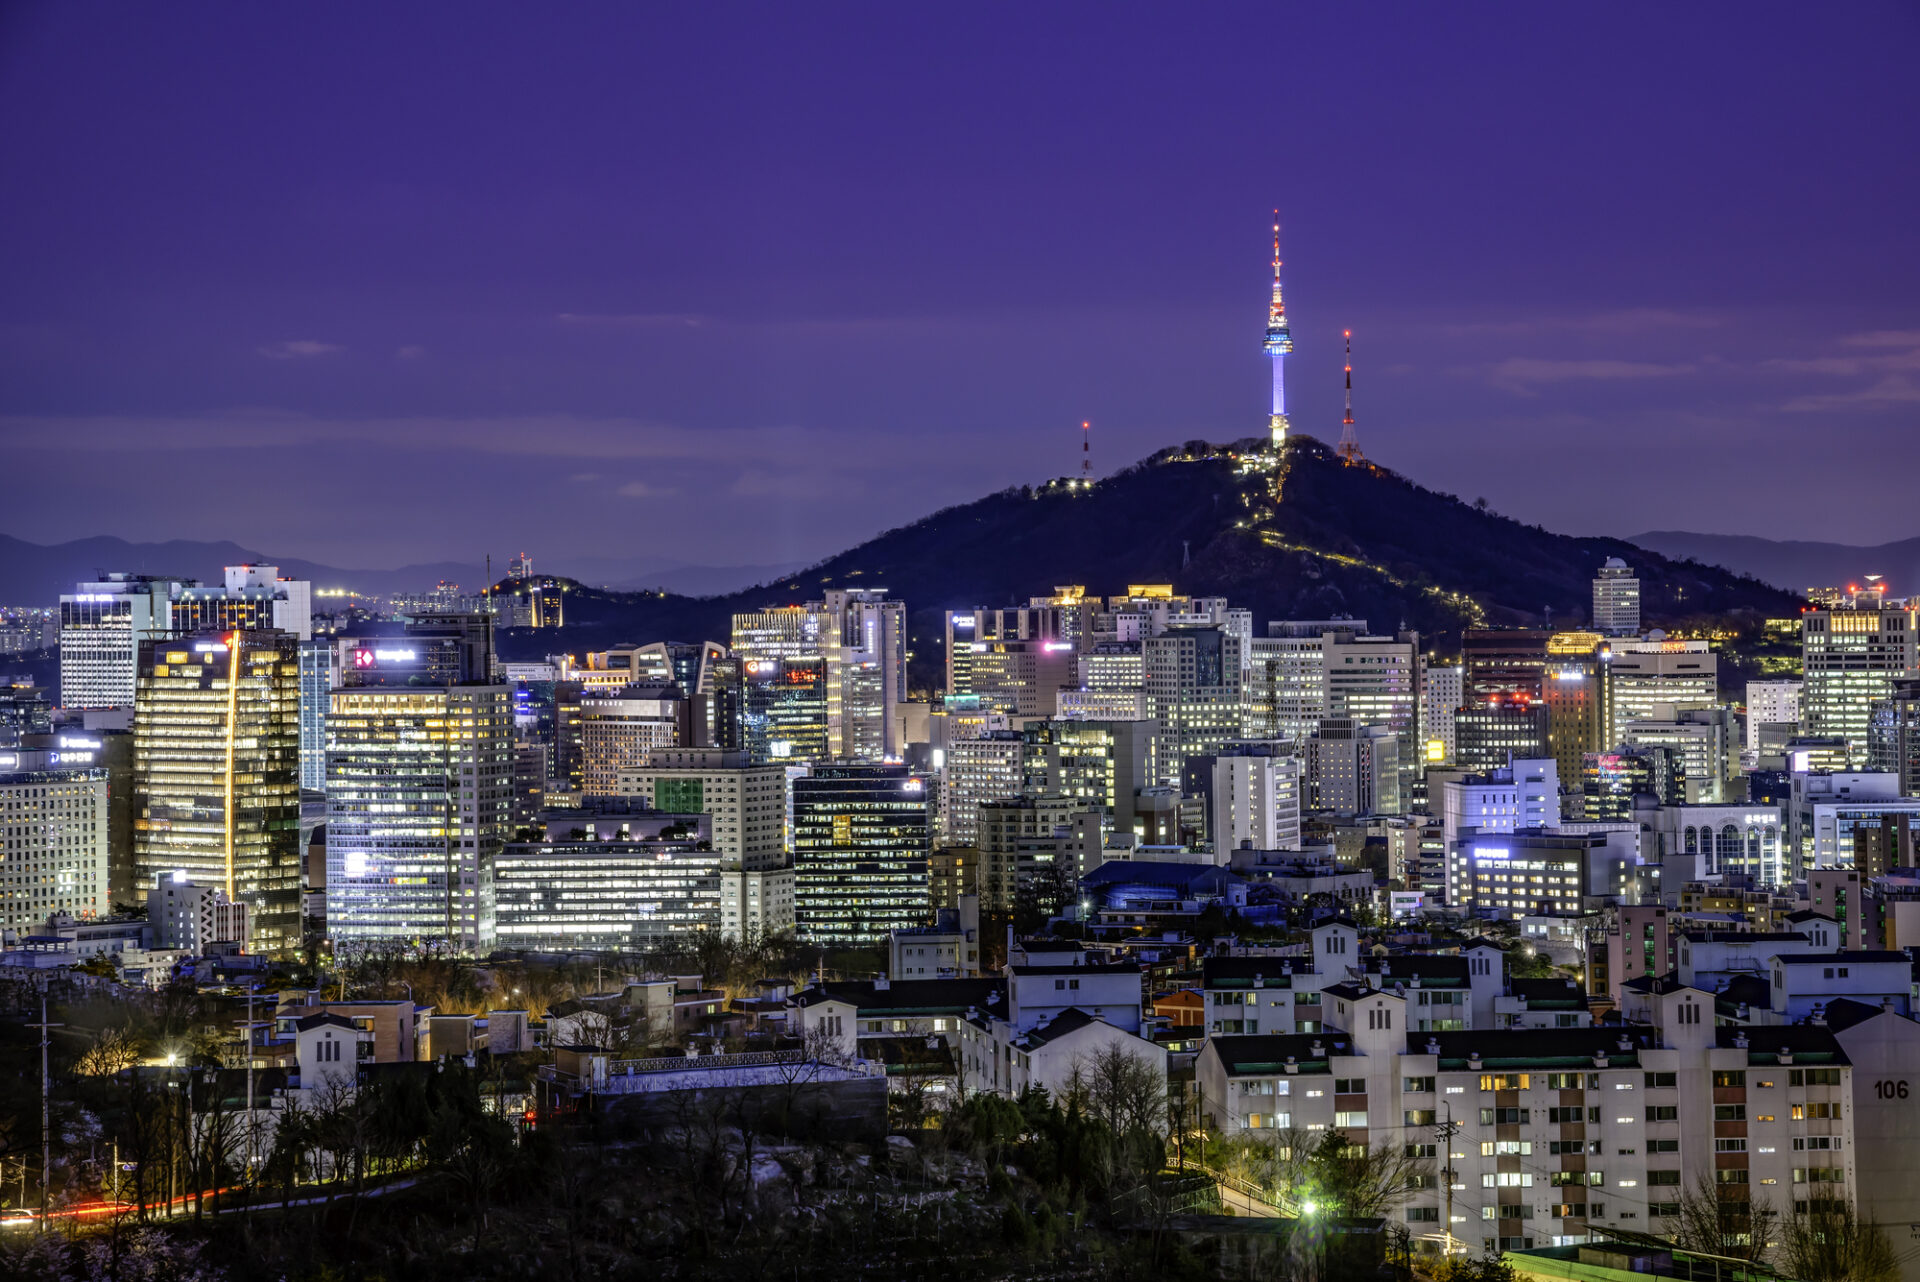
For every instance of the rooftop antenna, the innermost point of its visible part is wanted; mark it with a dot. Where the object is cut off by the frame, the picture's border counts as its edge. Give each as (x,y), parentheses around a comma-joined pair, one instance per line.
(1349,450)
(1086,452)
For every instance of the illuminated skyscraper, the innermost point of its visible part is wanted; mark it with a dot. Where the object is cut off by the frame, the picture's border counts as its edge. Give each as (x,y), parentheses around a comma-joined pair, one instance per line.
(860,636)
(216,758)
(419,798)
(101,627)
(860,845)
(1851,654)
(54,856)
(1279,343)
(1616,600)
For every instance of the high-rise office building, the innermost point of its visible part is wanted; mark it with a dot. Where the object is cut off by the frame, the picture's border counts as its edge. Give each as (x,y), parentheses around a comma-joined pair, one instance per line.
(860,848)
(1771,703)
(1616,600)
(746,803)
(1893,735)
(1375,681)
(253,597)
(101,627)
(747,813)
(619,729)
(53,847)
(1578,691)
(1490,734)
(1851,653)
(1194,681)
(419,790)
(784,710)
(1014,660)
(216,760)
(24,710)
(1257,800)
(1098,765)
(316,686)
(860,638)
(1353,769)
(1500,662)
(1287,678)
(1704,744)
(1442,690)
(989,767)
(604,877)
(1658,670)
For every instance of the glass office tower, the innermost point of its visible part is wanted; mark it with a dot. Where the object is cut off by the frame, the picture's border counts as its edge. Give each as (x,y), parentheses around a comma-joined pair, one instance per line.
(216,760)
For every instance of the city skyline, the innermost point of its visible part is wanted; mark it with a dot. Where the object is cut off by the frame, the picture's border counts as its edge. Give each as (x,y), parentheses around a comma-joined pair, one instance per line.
(805,277)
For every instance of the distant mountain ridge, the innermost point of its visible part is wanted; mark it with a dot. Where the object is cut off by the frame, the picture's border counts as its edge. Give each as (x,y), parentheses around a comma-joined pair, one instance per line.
(1358,541)
(36,574)
(1793,565)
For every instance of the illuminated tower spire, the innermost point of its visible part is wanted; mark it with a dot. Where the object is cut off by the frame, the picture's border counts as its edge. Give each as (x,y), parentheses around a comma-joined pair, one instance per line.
(1349,449)
(1086,453)
(1279,343)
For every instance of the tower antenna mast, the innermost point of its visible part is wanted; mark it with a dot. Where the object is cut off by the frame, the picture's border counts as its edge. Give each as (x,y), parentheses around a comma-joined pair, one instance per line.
(1279,343)
(1349,450)
(1086,452)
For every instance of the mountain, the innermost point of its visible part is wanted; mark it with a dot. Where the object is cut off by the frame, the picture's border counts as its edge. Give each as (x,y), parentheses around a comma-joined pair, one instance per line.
(1794,566)
(1360,541)
(36,574)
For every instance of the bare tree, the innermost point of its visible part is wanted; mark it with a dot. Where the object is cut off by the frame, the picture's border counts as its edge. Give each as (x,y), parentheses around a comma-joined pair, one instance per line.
(1831,1242)
(113,1050)
(1715,1223)
(1125,1092)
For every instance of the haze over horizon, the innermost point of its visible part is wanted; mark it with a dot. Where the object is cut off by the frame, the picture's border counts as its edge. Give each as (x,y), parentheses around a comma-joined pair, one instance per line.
(751,291)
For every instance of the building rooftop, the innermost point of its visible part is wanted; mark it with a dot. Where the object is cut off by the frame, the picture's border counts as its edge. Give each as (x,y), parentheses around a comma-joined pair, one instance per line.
(1269,1053)
(1533,1047)
(1858,957)
(1789,1044)
(909,996)
(1241,972)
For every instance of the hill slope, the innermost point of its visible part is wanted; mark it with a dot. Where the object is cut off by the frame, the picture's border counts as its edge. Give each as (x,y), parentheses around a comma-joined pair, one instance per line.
(1794,566)
(1359,541)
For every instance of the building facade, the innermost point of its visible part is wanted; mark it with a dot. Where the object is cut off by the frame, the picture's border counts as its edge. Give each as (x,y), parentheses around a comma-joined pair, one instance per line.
(216,760)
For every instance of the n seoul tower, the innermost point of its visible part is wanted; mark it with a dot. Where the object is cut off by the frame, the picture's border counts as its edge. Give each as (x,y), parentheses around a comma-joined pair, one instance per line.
(1279,343)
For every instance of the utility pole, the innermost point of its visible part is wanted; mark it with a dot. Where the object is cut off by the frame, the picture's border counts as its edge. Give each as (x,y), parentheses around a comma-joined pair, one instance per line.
(251,990)
(46,1117)
(1444,1132)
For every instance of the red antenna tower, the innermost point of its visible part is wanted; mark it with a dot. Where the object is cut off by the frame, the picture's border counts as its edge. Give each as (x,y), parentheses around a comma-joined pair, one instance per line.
(1086,452)
(1349,449)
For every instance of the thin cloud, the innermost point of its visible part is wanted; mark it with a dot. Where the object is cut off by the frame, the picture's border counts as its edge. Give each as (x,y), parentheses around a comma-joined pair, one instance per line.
(633,320)
(1631,320)
(1893,390)
(1522,375)
(411,353)
(641,490)
(1887,351)
(298,349)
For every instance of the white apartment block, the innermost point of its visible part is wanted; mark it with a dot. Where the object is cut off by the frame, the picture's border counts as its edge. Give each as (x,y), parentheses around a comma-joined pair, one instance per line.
(1563,1130)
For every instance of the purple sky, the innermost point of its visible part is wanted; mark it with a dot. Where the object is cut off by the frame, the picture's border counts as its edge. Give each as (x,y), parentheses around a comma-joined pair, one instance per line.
(741,284)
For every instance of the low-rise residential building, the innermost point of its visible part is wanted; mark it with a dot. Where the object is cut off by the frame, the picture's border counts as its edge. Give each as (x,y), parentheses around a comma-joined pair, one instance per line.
(1563,1132)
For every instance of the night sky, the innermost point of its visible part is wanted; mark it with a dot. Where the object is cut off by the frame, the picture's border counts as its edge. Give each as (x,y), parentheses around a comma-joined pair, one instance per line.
(732,284)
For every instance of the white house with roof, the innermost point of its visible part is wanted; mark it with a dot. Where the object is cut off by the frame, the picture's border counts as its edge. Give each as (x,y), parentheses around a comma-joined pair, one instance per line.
(1801,985)
(1057,1020)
